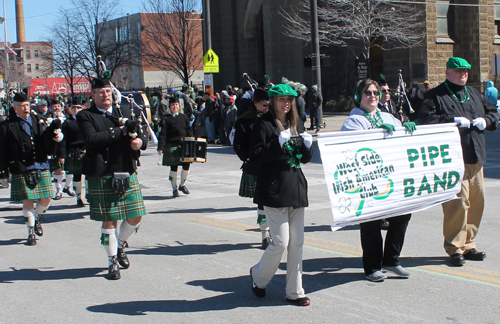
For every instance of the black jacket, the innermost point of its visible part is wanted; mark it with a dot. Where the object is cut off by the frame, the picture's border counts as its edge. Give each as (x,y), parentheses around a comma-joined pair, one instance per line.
(18,150)
(278,184)
(242,140)
(173,129)
(72,137)
(440,107)
(107,149)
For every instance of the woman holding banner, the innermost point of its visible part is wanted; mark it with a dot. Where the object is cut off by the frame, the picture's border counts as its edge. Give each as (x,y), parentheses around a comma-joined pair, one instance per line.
(282,190)
(378,260)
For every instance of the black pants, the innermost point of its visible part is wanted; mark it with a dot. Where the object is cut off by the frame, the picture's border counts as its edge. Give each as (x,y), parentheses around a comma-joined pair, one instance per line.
(371,242)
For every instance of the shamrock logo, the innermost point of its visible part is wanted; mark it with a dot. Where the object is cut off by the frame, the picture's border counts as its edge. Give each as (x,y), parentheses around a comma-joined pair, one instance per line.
(344,204)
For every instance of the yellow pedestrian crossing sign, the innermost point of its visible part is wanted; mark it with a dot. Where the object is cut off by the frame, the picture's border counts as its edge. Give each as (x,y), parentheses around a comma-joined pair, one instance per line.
(211,62)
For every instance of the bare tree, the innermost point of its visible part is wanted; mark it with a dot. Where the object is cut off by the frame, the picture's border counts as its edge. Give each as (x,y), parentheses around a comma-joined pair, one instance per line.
(66,58)
(174,32)
(15,78)
(384,24)
(98,37)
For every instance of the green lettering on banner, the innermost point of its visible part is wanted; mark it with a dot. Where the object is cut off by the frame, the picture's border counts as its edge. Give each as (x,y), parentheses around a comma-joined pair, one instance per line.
(424,186)
(412,156)
(440,182)
(452,174)
(409,188)
(433,153)
(445,153)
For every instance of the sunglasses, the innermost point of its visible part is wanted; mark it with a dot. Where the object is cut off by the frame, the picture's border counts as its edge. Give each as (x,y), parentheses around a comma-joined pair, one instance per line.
(372,93)
(265,104)
(386,91)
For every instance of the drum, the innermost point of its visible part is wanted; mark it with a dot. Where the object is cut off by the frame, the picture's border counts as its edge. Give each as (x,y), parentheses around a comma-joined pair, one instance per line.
(193,149)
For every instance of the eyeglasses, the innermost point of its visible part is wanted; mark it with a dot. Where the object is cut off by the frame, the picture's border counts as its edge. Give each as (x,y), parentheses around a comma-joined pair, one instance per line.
(372,93)
(386,91)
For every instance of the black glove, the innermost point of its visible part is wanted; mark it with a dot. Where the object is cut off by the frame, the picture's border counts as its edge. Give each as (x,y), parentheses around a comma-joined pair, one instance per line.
(56,123)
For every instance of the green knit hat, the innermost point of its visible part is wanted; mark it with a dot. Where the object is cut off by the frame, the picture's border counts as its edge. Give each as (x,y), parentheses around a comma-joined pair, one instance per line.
(457,63)
(281,90)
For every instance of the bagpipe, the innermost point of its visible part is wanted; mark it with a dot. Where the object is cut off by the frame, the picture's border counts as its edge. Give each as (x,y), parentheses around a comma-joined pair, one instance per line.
(133,123)
(401,95)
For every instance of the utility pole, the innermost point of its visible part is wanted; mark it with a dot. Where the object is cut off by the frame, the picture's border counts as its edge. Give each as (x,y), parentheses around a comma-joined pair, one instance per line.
(207,35)
(6,65)
(315,56)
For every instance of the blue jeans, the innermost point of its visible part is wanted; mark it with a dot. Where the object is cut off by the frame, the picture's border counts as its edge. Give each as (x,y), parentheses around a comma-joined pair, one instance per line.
(210,130)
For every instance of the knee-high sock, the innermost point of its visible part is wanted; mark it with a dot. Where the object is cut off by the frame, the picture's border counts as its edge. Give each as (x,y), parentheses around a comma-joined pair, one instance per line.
(58,178)
(29,218)
(69,180)
(108,239)
(173,179)
(184,176)
(261,220)
(41,209)
(78,189)
(126,230)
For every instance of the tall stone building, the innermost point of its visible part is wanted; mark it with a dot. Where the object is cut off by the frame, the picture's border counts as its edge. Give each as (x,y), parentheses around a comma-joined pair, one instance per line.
(248,37)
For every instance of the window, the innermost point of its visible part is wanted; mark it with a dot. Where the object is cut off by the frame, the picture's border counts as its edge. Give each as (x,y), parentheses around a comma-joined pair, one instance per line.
(36,53)
(444,20)
(496,14)
(28,54)
(28,67)
(36,66)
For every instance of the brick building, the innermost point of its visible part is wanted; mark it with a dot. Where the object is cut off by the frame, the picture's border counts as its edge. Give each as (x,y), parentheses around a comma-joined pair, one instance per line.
(248,37)
(139,72)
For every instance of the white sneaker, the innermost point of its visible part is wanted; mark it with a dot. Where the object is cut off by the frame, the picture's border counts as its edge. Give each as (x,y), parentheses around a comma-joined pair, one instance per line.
(376,276)
(398,271)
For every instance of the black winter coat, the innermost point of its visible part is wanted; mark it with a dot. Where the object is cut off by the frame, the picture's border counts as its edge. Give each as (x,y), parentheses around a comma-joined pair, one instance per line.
(440,107)
(107,149)
(173,129)
(242,140)
(18,150)
(278,184)
(72,137)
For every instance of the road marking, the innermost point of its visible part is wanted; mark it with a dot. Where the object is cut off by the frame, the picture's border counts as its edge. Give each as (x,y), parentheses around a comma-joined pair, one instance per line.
(354,251)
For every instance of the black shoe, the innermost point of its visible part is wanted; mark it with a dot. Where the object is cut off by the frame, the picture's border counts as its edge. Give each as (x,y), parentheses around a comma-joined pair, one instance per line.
(184,190)
(31,238)
(457,260)
(79,203)
(58,196)
(38,227)
(474,255)
(69,191)
(175,193)
(113,270)
(302,301)
(123,258)
(265,242)
(258,292)
(384,225)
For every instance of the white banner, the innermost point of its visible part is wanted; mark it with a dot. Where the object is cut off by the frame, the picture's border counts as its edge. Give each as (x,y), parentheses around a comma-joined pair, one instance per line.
(373,175)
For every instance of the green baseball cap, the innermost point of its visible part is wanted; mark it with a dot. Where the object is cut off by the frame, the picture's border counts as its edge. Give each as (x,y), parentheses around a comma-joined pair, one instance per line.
(457,63)
(281,90)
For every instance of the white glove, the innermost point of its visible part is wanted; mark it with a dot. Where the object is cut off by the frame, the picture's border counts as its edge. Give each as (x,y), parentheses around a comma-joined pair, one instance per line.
(284,137)
(480,123)
(59,135)
(308,140)
(464,122)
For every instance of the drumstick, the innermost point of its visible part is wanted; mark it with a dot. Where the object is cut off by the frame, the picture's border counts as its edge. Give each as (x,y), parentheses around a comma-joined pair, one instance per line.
(297,136)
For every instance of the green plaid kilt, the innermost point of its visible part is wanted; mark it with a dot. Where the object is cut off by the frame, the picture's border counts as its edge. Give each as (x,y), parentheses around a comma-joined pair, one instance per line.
(20,191)
(247,185)
(172,154)
(106,205)
(73,166)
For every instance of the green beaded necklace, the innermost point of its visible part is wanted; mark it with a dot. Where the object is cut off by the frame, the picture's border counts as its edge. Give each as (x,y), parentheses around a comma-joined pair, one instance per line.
(466,93)
(375,121)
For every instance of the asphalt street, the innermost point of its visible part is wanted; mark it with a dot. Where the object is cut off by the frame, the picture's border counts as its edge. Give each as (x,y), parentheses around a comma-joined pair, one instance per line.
(190,259)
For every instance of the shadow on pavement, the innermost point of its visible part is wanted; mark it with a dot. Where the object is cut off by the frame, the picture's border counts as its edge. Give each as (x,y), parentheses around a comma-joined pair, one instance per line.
(203,210)
(237,291)
(191,249)
(40,275)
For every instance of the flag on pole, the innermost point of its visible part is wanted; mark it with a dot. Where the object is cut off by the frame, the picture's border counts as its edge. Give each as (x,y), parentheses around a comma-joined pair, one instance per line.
(10,50)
